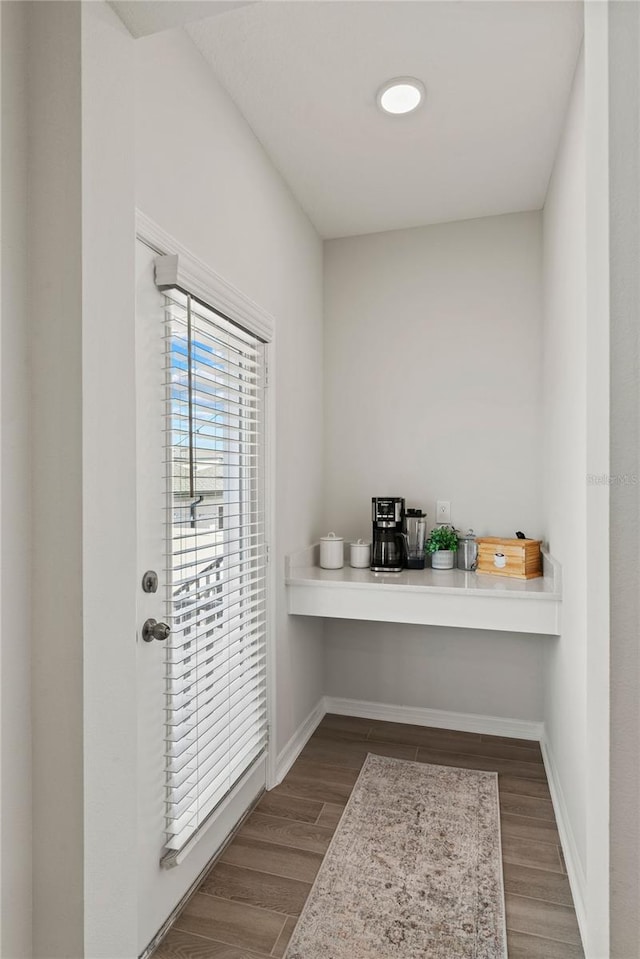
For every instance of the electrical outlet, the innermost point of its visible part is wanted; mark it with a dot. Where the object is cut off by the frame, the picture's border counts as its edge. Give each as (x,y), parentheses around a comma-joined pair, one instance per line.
(443,511)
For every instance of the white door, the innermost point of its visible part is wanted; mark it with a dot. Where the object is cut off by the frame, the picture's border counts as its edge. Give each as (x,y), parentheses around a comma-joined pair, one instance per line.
(161,887)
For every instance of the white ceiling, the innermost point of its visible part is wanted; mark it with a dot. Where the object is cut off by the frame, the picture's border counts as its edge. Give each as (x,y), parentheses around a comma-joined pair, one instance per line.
(305,76)
(143,17)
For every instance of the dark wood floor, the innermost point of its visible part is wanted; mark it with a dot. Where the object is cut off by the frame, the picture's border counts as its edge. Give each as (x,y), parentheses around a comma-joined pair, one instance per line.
(247,905)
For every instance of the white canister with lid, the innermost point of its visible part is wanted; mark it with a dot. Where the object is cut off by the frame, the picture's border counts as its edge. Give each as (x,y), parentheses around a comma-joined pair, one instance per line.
(360,555)
(331,551)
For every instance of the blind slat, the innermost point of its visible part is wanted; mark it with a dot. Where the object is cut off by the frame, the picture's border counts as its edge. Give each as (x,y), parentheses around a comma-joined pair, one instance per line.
(198,753)
(185,700)
(178,760)
(208,800)
(213,682)
(220,640)
(223,331)
(243,577)
(205,690)
(217,757)
(228,563)
(249,714)
(200,609)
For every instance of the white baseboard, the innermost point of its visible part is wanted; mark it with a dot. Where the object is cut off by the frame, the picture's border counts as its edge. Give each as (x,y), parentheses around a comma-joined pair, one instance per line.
(577,878)
(440,718)
(289,753)
(414,715)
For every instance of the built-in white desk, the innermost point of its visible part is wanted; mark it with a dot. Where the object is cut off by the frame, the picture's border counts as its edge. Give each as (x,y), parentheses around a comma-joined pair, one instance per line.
(430,597)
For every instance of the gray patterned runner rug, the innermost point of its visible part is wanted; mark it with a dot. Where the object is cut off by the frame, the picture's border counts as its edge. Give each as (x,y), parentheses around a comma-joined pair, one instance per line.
(414,870)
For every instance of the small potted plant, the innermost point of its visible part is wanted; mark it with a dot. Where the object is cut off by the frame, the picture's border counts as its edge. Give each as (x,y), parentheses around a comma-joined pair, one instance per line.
(442,544)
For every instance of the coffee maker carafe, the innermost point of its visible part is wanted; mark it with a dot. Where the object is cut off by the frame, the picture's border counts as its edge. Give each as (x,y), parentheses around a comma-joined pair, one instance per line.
(388,548)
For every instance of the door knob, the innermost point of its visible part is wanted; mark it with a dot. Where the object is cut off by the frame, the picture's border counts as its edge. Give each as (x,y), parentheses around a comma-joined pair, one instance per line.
(152,629)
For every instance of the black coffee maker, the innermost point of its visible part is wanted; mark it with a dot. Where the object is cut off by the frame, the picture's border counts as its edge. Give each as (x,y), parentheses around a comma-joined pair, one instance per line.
(388,548)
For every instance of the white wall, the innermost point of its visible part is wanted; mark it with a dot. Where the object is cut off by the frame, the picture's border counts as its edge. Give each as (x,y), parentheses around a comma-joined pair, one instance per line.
(223,200)
(55,308)
(109,562)
(624,106)
(461,670)
(15,604)
(596,73)
(433,390)
(565,464)
(432,373)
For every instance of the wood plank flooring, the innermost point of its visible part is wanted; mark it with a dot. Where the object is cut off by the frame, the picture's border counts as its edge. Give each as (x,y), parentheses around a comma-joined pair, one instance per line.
(247,905)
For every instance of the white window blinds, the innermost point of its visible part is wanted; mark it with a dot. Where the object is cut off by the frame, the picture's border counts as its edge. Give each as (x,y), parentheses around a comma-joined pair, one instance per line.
(216,577)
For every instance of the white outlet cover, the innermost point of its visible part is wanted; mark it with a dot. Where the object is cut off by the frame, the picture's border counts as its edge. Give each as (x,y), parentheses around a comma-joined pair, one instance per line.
(443,511)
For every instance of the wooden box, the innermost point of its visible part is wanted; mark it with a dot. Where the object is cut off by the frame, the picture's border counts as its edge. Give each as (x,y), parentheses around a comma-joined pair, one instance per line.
(518,558)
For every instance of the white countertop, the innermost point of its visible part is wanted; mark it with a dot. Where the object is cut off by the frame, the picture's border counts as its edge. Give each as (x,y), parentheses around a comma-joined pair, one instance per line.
(432,597)
(455,581)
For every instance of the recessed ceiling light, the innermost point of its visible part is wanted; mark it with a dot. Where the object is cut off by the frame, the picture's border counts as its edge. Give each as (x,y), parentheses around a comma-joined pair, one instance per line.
(400,95)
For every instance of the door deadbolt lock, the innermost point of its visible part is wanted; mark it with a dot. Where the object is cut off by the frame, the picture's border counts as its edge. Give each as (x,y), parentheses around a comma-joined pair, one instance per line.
(150,581)
(152,629)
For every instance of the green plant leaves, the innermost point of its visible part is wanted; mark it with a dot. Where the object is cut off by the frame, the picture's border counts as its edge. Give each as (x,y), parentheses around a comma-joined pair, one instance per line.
(442,537)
